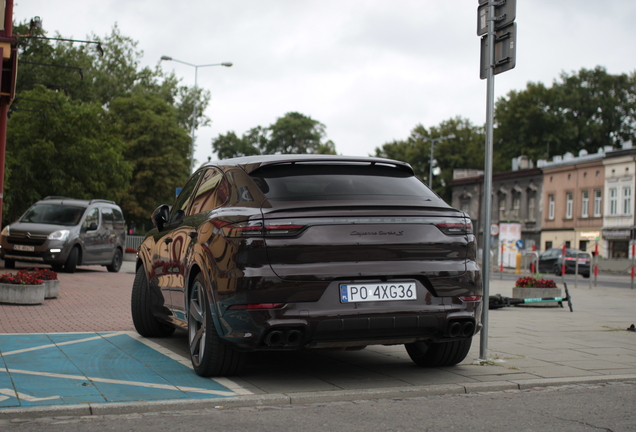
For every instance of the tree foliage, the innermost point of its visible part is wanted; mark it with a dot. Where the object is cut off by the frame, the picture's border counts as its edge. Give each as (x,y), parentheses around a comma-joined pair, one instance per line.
(294,133)
(582,111)
(115,130)
(465,150)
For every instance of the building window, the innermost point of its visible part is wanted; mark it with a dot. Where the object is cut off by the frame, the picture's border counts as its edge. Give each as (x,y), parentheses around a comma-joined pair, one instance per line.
(597,203)
(548,245)
(627,200)
(569,202)
(531,207)
(613,202)
(465,206)
(502,208)
(585,200)
(551,207)
(516,204)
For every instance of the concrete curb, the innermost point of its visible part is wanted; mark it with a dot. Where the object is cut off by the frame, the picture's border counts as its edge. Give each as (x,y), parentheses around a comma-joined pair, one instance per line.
(80,410)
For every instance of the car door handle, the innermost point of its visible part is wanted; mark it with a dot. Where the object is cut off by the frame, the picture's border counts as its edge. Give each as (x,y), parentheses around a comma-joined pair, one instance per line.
(168,240)
(193,234)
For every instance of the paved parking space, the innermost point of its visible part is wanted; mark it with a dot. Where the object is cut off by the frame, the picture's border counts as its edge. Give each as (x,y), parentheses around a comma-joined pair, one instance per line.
(80,368)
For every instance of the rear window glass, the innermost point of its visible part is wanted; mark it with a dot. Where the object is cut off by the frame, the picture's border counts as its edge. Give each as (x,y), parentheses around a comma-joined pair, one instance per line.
(305,182)
(53,214)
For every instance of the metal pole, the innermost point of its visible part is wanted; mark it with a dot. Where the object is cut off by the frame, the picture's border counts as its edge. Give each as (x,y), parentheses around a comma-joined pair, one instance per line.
(490,107)
(194,118)
(430,166)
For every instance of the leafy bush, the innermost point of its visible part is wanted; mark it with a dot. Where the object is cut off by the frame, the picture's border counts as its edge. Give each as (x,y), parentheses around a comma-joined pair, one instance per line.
(530,282)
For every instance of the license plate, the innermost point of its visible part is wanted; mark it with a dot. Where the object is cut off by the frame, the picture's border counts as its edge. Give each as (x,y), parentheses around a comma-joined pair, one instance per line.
(25,248)
(377,291)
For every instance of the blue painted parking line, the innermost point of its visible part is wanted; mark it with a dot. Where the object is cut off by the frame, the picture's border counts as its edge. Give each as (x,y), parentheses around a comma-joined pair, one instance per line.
(72,368)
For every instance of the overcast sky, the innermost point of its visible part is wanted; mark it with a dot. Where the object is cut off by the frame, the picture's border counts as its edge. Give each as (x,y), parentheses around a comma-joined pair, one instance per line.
(369,70)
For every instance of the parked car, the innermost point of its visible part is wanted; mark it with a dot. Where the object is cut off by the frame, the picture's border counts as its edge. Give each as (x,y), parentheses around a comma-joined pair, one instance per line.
(551,261)
(66,232)
(304,251)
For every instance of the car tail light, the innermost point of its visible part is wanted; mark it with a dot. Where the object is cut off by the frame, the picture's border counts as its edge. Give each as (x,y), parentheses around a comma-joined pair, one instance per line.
(455,227)
(475,298)
(253,306)
(269,230)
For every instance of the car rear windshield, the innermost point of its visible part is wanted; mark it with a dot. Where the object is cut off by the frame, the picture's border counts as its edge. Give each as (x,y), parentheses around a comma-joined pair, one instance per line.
(309,182)
(53,214)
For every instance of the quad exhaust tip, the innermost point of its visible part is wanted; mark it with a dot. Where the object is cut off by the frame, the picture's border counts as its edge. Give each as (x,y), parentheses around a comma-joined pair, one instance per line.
(288,337)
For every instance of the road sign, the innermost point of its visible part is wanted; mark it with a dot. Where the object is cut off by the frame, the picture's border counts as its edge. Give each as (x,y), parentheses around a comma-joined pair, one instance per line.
(505,51)
(505,14)
(520,244)
(494,229)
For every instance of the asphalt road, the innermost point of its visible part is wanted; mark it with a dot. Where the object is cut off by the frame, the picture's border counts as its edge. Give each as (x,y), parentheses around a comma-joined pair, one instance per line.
(580,408)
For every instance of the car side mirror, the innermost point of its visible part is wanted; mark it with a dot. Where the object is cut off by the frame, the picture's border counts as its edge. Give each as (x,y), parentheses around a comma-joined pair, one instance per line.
(160,216)
(92,227)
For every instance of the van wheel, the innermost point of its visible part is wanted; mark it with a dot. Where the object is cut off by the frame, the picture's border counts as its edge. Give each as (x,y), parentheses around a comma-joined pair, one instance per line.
(71,261)
(116,264)
(9,264)
(210,355)
(436,354)
(145,322)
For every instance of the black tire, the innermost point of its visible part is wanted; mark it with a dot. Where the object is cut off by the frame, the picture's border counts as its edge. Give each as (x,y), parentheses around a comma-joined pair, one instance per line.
(585,275)
(145,322)
(437,354)
(557,270)
(57,267)
(210,355)
(9,264)
(115,265)
(71,261)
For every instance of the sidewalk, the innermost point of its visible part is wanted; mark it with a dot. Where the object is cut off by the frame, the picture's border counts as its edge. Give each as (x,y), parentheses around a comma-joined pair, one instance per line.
(118,371)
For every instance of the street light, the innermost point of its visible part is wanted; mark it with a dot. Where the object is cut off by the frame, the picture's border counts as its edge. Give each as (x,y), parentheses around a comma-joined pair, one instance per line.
(433,142)
(194,101)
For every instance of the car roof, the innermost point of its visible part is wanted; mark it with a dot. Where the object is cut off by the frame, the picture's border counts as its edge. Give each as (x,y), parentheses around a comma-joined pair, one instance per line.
(72,201)
(252,163)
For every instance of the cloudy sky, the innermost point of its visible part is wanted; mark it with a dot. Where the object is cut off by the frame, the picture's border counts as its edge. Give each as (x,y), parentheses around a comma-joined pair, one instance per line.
(369,70)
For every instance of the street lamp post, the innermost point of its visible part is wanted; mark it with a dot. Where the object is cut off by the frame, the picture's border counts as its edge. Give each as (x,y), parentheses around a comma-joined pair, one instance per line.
(433,142)
(194,100)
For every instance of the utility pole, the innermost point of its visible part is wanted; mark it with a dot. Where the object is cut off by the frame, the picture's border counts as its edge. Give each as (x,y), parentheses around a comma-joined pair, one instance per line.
(495,20)
(9,59)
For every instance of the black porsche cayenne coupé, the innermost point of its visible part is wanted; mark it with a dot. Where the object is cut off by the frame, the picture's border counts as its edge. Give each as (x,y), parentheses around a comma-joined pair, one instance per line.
(308,251)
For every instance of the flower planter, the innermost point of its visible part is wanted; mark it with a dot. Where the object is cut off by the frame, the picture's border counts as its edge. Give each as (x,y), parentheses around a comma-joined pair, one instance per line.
(130,256)
(22,294)
(52,288)
(525,293)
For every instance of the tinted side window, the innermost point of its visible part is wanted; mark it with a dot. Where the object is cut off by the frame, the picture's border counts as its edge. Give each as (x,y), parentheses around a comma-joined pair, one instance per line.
(119,217)
(91,217)
(107,216)
(184,199)
(212,192)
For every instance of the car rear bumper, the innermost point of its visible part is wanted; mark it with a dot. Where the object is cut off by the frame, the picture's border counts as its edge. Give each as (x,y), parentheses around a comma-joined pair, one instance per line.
(328,323)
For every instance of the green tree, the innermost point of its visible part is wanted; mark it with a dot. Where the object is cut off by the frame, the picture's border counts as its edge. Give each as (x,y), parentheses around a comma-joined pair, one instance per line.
(58,146)
(585,110)
(156,147)
(465,150)
(294,133)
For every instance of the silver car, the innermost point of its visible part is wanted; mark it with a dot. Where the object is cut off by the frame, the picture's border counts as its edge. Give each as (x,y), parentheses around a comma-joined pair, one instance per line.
(66,232)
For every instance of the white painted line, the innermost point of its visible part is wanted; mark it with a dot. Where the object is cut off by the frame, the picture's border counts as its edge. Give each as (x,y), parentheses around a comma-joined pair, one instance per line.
(236,388)
(122,382)
(25,397)
(36,348)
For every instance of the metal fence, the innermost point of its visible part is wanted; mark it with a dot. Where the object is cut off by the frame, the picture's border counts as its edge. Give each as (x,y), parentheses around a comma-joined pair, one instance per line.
(133,241)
